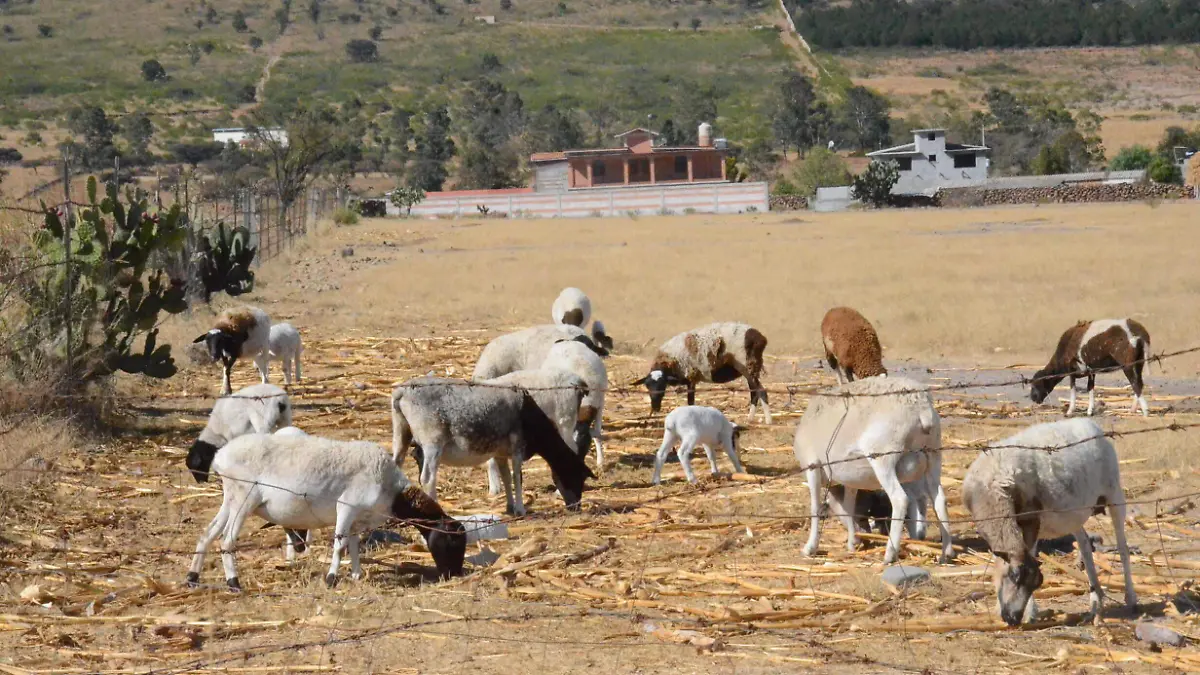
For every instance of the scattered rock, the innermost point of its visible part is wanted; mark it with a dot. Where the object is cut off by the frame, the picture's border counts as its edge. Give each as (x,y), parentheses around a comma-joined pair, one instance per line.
(903,576)
(348,251)
(1159,635)
(360,386)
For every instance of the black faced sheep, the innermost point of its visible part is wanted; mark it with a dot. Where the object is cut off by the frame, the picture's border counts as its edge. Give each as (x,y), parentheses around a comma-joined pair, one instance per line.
(1089,347)
(1042,483)
(718,352)
(257,409)
(851,345)
(237,334)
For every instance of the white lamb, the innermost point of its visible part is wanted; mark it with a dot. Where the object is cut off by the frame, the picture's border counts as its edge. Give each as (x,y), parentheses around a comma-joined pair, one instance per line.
(239,333)
(869,434)
(257,409)
(1041,483)
(309,483)
(693,425)
(285,346)
(571,307)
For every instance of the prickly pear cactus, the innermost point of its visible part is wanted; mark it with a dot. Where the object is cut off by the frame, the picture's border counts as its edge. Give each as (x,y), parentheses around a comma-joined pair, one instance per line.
(225,259)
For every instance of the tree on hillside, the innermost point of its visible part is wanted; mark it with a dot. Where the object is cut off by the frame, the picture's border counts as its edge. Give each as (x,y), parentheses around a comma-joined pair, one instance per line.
(552,129)
(1178,137)
(137,131)
(314,11)
(294,160)
(153,71)
(794,118)
(874,185)
(195,154)
(433,148)
(93,131)
(1132,158)
(362,51)
(821,168)
(863,120)
(239,22)
(490,118)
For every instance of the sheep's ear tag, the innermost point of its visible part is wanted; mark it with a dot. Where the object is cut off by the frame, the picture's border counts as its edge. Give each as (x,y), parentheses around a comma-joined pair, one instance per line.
(215,331)
(656,375)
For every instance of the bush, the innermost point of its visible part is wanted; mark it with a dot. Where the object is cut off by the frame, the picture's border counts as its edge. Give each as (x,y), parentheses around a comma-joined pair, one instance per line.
(345,216)
(376,32)
(506,5)
(362,51)
(153,71)
(1132,158)
(1163,170)
(406,197)
(874,185)
(821,168)
(239,22)
(255,42)
(45,30)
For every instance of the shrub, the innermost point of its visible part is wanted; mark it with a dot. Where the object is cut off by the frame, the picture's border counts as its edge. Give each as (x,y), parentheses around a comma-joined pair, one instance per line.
(821,168)
(376,32)
(239,22)
(45,30)
(406,197)
(875,184)
(506,5)
(1132,158)
(153,71)
(255,42)
(695,23)
(362,51)
(345,216)
(1163,170)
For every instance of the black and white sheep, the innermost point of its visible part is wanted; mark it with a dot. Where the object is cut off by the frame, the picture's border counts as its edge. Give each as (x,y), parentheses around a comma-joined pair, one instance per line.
(1041,483)
(242,333)
(526,349)
(1089,347)
(284,345)
(257,409)
(869,434)
(465,424)
(309,483)
(851,345)
(694,425)
(718,352)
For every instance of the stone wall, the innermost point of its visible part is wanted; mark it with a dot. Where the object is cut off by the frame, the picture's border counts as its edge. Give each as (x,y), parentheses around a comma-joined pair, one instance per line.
(1061,194)
(788,203)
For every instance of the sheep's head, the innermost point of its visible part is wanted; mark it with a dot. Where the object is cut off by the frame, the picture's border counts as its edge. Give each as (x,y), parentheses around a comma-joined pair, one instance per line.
(1043,384)
(199,460)
(1015,581)
(600,337)
(222,346)
(656,383)
(445,537)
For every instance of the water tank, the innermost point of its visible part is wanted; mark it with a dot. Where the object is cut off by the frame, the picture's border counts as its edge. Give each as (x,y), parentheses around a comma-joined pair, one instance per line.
(705,134)
(720,144)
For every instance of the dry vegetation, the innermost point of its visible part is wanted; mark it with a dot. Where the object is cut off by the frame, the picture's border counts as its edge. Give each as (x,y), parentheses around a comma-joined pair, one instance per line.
(1139,91)
(94,551)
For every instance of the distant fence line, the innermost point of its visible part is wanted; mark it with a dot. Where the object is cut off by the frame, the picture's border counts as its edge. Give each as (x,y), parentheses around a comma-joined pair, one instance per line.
(259,212)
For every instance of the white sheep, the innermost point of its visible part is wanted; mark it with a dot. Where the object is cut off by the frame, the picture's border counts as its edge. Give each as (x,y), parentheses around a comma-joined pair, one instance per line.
(290,432)
(465,423)
(851,345)
(571,307)
(239,333)
(1041,483)
(870,434)
(694,425)
(308,483)
(285,346)
(718,352)
(257,409)
(297,540)
(526,349)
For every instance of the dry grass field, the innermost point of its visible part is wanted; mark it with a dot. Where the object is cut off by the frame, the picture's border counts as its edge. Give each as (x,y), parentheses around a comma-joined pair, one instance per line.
(95,538)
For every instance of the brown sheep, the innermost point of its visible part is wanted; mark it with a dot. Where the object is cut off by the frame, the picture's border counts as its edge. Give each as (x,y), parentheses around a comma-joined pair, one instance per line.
(851,345)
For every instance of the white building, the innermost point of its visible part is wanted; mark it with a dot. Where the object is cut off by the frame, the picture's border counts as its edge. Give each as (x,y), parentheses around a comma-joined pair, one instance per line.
(242,136)
(929,162)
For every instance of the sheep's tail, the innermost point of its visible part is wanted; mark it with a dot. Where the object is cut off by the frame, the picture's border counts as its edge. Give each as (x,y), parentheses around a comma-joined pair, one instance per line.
(1142,352)
(928,418)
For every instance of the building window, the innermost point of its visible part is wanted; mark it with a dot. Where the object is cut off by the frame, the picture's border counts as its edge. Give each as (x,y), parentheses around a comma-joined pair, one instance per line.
(681,162)
(933,159)
(932,136)
(598,169)
(905,163)
(966,161)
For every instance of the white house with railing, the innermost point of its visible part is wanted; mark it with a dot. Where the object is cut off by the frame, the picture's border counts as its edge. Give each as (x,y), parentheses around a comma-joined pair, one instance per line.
(929,162)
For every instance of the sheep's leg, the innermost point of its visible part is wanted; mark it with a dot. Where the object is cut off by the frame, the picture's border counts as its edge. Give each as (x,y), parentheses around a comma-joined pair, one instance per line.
(1091,387)
(844,510)
(933,485)
(518,482)
(226,386)
(1096,593)
(1134,374)
(1116,510)
(341,539)
(712,458)
(914,521)
(731,451)
(669,439)
(1071,405)
(233,527)
(495,484)
(429,471)
(597,430)
(355,564)
(296,361)
(214,530)
(505,474)
(685,459)
(263,361)
(691,393)
(286,365)
(886,474)
(758,395)
(815,485)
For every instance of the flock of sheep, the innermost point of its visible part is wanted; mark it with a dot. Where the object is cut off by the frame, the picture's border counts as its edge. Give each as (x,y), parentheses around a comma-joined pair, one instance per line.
(540,391)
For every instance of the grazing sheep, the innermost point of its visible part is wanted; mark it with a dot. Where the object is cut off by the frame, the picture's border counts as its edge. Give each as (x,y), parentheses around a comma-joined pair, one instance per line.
(1045,482)
(694,425)
(309,483)
(257,409)
(297,540)
(572,307)
(1089,347)
(290,432)
(718,352)
(870,434)
(239,333)
(285,346)
(464,424)
(851,345)
(556,392)
(526,350)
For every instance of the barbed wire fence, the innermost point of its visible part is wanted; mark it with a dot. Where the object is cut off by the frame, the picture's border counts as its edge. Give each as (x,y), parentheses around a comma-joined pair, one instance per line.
(553,520)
